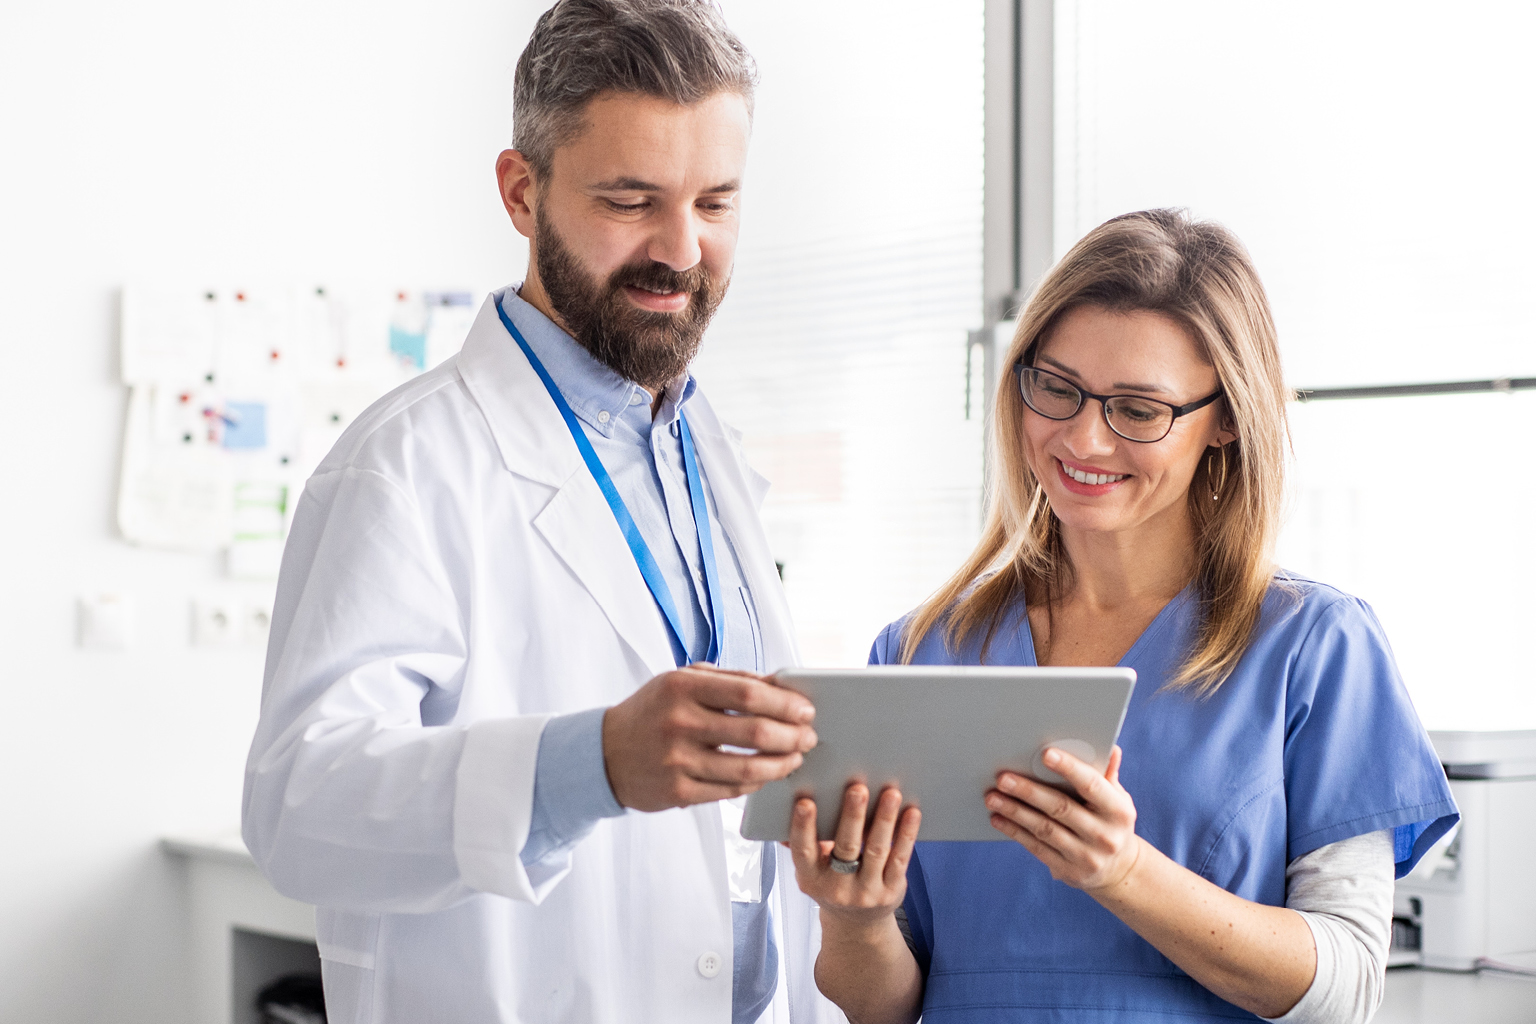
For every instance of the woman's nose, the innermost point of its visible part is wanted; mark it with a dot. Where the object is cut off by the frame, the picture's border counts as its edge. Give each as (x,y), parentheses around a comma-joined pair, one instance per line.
(1087,433)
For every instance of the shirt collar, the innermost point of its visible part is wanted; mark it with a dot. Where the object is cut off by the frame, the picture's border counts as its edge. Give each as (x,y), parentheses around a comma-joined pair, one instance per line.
(594,392)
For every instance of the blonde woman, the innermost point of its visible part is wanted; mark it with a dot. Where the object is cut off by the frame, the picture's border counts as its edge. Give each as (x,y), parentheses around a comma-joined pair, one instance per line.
(1236,859)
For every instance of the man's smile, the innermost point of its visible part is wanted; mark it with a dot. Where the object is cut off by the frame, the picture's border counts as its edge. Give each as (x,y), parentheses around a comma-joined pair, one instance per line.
(657,301)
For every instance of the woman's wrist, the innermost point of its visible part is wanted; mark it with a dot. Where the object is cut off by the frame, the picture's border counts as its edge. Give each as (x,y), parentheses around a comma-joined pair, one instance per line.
(1123,888)
(860,927)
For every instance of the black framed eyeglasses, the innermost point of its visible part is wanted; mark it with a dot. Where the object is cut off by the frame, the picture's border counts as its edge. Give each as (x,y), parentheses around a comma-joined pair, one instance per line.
(1133,417)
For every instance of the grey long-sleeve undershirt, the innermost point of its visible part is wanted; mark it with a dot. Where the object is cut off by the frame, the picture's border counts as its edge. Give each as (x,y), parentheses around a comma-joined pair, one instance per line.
(1344,893)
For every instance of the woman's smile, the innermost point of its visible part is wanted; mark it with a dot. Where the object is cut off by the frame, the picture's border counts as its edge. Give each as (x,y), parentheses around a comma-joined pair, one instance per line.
(1087,480)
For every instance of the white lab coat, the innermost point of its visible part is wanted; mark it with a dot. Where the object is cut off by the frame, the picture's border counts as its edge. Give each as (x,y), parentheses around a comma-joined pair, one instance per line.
(453,578)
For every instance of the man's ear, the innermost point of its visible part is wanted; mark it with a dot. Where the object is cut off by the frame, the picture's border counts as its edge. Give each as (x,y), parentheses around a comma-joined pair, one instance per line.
(514,178)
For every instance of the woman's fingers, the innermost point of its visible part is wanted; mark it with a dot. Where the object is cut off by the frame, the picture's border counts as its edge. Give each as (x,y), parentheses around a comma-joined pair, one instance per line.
(901,847)
(849,839)
(1085,844)
(1045,853)
(884,851)
(1090,785)
(1045,828)
(877,842)
(802,837)
(1057,808)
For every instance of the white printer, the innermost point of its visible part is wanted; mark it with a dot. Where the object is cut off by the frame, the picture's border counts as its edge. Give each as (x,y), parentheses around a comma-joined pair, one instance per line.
(1471,902)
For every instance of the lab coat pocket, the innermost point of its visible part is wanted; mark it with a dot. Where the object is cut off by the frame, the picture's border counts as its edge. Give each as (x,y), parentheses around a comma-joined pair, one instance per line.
(346,937)
(753,628)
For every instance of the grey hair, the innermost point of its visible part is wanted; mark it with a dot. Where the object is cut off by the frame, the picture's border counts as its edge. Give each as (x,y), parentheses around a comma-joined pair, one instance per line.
(680,50)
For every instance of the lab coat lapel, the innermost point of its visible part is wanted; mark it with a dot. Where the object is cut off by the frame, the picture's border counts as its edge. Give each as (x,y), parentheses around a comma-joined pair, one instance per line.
(577,523)
(580,526)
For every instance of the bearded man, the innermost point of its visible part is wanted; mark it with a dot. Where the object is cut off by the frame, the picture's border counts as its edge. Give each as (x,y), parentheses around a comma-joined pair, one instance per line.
(515,689)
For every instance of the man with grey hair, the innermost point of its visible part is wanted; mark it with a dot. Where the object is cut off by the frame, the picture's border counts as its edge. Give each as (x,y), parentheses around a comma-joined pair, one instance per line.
(515,691)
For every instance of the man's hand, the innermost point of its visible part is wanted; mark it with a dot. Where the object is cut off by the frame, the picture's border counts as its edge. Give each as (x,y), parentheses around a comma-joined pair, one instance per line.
(661,746)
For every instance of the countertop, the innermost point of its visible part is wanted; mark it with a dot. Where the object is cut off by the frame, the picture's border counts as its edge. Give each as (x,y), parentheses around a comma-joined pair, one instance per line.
(1418,996)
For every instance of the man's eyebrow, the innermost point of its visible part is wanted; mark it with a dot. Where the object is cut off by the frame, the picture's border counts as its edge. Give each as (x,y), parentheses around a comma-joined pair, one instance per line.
(1151,389)
(625,185)
(639,185)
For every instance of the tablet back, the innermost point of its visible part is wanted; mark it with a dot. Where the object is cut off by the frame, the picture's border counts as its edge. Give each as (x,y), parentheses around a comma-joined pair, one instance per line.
(941,734)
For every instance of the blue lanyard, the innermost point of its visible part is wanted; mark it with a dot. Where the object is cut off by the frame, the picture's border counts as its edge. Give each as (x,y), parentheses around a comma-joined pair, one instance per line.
(637,546)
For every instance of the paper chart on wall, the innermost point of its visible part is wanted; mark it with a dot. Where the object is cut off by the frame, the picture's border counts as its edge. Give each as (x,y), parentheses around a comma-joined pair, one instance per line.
(238,393)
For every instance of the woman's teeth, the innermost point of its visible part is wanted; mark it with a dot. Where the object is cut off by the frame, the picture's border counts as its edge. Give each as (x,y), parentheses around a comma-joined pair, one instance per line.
(1092,478)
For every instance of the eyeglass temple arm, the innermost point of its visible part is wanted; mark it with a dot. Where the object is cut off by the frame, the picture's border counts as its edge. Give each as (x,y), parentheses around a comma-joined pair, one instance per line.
(1184,410)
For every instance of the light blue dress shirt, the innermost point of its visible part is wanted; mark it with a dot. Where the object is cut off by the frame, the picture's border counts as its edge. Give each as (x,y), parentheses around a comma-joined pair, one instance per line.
(644,456)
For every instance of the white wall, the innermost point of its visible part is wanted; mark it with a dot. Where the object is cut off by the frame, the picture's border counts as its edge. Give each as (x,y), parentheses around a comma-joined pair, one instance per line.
(185,142)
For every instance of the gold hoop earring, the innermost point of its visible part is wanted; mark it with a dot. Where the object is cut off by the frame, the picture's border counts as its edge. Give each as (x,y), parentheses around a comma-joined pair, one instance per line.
(1210,473)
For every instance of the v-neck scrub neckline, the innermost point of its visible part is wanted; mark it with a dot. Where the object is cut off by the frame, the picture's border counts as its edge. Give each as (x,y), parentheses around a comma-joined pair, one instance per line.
(1149,635)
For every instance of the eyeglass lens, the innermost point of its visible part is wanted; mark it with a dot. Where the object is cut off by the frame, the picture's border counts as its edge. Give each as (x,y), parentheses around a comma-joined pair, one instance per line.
(1056,398)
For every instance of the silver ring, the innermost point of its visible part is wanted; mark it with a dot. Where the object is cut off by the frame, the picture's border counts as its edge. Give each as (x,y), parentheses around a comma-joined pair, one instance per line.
(845,867)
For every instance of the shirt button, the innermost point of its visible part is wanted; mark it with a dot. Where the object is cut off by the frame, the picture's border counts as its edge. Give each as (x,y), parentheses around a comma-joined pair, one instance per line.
(636,398)
(602,417)
(709,964)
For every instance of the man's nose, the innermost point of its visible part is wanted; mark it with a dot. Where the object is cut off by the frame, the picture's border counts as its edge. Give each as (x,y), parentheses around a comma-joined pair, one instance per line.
(675,241)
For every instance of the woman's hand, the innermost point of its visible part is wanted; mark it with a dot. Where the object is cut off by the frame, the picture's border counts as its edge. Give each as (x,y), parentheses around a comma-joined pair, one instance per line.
(864,965)
(873,892)
(1090,845)
(1259,957)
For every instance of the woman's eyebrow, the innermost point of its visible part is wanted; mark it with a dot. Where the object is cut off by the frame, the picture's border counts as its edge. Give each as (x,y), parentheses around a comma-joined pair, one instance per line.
(1151,389)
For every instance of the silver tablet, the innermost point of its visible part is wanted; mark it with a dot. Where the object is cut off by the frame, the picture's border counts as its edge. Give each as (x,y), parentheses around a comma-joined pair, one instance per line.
(940,734)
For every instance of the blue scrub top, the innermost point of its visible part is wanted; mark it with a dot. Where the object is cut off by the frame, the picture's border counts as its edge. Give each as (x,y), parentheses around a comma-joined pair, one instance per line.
(1312,739)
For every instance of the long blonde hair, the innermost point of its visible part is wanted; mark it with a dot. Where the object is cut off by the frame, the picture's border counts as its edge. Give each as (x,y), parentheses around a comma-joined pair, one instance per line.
(1197,274)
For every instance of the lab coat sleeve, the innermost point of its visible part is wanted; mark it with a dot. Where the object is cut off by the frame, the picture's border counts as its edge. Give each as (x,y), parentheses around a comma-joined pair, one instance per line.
(351,801)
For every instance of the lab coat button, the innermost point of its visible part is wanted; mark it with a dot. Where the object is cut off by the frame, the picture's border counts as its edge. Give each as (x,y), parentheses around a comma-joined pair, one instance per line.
(709,964)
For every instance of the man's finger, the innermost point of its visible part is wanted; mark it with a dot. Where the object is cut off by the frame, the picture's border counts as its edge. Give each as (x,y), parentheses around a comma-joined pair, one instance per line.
(752,697)
(741,769)
(767,735)
(694,791)
(705,666)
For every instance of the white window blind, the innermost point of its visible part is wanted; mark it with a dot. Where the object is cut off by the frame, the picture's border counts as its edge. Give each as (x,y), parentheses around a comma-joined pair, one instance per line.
(841,348)
(1376,160)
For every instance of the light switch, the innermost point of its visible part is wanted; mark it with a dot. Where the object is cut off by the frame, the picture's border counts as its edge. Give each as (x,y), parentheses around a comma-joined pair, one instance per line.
(106,622)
